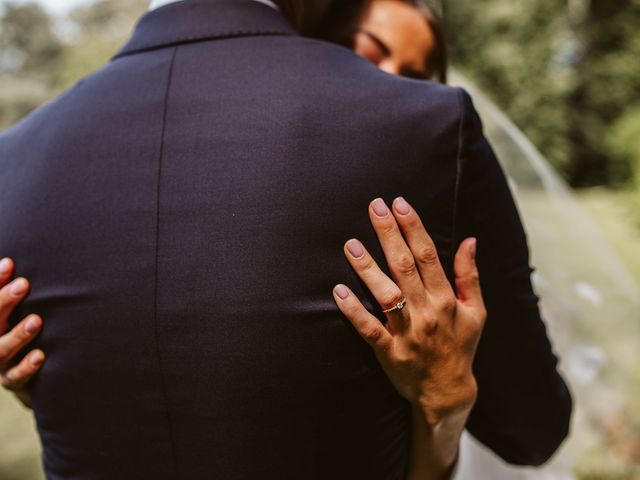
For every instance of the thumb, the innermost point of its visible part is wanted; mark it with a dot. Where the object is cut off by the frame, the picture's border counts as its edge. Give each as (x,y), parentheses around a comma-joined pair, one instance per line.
(466,273)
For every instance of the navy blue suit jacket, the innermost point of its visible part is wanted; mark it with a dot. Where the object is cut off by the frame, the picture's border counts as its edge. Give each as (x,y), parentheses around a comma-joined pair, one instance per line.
(181,215)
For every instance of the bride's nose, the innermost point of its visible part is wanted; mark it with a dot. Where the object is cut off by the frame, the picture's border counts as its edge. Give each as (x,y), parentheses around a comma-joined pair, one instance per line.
(389,66)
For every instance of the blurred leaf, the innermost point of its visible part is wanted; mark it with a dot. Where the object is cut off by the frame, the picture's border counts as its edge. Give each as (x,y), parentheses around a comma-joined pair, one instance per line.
(624,142)
(27,35)
(563,71)
(36,64)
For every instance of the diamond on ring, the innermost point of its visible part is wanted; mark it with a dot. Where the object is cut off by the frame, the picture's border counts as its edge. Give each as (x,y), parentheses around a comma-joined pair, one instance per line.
(398,306)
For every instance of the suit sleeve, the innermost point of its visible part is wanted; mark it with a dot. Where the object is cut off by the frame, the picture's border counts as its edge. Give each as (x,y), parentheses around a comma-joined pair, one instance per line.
(524,407)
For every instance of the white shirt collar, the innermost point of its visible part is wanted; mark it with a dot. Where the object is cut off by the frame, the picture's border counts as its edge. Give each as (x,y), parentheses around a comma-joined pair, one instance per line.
(159,3)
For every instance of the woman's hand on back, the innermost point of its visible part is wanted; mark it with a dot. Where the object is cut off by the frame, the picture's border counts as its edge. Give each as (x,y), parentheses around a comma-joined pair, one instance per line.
(15,376)
(429,342)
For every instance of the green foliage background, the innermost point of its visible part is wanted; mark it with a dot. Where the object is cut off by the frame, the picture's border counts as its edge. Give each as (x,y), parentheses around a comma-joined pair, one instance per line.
(566,72)
(40,55)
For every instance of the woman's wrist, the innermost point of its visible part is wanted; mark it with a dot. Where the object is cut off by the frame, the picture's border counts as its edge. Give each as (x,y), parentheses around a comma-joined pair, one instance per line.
(437,426)
(435,446)
(442,405)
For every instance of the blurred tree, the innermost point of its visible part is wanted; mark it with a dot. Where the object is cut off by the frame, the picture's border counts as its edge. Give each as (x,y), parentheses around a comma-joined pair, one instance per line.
(30,51)
(607,84)
(28,42)
(623,142)
(100,30)
(512,50)
(564,70)
(36,63)
(112,18)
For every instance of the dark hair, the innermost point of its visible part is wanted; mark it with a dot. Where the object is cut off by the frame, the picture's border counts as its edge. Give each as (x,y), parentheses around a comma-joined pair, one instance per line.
(438,61)
(297,10)
(327,19)
(342,19)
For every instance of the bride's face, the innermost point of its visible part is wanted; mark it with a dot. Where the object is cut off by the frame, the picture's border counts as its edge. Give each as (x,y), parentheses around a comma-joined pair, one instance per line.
(397,38)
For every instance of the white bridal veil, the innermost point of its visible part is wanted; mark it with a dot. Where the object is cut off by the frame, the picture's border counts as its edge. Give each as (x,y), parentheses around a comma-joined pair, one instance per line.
(589,300)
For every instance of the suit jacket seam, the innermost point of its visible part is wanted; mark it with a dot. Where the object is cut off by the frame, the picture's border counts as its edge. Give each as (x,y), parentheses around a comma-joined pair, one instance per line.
(157,256)
(456,192)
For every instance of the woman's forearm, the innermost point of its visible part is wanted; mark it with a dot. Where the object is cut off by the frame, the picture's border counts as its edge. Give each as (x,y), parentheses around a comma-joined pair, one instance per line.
(434,447)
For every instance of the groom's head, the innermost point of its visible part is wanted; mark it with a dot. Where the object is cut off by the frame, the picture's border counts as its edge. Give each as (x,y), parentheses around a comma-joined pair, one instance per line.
(331,19)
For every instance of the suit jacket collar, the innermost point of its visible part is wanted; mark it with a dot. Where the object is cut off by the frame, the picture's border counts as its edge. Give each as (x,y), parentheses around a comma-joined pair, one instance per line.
(199,20)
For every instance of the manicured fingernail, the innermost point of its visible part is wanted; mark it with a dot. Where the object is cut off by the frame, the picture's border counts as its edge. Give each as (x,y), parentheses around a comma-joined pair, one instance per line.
(473,248)
(32,326)
(401,206)
(5,266)
(355,248)
(341,291)
(379,207)
(36,358)
(19,286)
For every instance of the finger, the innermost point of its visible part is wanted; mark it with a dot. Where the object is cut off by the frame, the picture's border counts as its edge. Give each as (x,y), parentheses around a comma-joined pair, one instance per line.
(384,290)
(16,378)
(10,296)
(368,326)
(467,276)
(18,338)
(423,249)
(399,257)
(6,269)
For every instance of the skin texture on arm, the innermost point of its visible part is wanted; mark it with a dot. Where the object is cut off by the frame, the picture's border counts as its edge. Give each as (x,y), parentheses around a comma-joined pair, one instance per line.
(434,449)
(16,376)
(427,347)
(523,409)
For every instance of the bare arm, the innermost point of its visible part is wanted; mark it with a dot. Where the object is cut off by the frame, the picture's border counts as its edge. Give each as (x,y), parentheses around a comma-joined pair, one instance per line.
(434,448)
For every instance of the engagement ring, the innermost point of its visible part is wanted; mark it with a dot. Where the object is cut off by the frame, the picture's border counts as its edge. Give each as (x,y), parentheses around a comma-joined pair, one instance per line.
(397,306)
